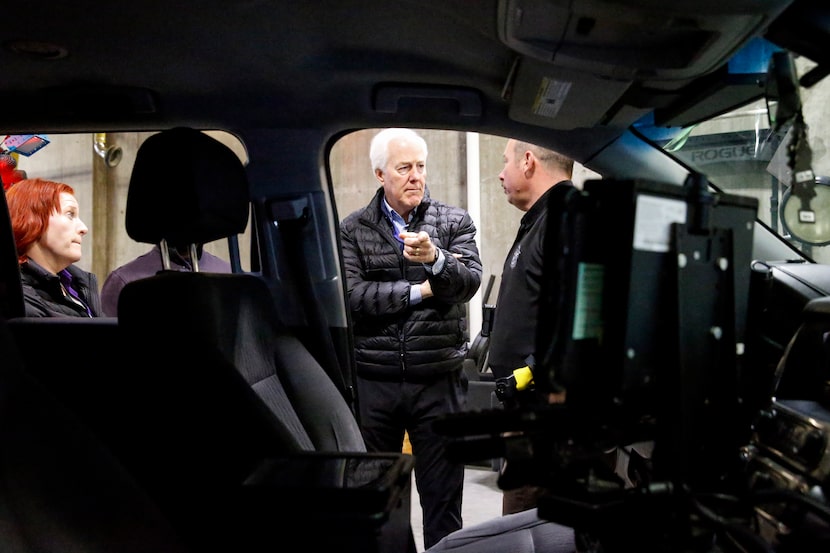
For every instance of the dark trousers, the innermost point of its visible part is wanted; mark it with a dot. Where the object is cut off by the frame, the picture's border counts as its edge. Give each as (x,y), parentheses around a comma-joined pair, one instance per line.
(387,410)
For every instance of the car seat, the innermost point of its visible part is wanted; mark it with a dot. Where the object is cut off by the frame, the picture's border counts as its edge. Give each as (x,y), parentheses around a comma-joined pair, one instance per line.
(227,391)
(61,489)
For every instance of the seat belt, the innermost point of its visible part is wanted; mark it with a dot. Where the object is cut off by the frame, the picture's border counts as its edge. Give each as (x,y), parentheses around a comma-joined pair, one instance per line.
(292,219)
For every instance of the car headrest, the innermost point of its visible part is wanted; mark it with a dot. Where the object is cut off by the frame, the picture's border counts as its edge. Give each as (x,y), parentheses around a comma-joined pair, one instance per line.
(186,188)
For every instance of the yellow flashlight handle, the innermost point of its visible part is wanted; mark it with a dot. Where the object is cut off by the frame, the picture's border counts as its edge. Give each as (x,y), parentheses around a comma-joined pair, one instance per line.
(524,377)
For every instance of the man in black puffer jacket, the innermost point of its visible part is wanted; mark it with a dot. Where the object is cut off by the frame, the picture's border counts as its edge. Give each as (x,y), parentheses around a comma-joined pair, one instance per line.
(411,266)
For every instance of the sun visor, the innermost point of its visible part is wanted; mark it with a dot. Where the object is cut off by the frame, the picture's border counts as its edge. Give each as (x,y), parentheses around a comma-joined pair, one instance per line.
(684,38)
(544,95)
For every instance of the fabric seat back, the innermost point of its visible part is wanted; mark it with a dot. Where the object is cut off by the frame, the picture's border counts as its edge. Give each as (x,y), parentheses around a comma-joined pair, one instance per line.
(61,488)
(225,384)
(228,322)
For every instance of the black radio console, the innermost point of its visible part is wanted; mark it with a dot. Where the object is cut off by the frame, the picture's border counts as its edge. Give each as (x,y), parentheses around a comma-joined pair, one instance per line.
(797,434)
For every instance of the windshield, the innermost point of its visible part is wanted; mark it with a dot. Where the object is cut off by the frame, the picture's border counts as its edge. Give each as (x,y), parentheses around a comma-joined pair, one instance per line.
(744,151)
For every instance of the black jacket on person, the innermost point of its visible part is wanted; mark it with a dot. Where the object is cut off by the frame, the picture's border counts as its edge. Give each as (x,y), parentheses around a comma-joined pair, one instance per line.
(394,340)
(513,336)
(44,297)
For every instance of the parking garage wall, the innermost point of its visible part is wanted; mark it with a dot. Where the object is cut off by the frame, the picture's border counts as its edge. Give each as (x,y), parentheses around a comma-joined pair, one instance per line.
(102,192)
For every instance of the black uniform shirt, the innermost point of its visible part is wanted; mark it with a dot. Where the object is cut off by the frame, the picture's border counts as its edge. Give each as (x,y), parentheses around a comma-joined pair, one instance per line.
(513,336)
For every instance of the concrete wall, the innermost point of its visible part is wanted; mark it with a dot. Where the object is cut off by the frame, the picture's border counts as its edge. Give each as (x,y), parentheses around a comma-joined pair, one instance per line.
(102,191)
(447,179)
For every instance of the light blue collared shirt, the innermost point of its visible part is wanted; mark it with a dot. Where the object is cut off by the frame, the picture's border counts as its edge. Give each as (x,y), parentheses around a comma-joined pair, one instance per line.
(399,225)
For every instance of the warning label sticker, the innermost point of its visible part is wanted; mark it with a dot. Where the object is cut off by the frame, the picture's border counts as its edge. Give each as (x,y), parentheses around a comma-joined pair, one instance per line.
(550,97)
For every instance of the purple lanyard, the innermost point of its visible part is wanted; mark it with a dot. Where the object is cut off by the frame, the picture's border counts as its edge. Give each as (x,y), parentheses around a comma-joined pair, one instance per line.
(66,280)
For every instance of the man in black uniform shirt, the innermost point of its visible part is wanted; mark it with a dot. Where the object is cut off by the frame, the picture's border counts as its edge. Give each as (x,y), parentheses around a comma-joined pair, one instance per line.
(530,173)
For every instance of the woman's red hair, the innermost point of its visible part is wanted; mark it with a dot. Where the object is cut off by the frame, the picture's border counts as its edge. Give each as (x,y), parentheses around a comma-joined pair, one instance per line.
(31,203)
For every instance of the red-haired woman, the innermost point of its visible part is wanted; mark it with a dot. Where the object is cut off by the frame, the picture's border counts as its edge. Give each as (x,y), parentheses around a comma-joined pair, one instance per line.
(48,232)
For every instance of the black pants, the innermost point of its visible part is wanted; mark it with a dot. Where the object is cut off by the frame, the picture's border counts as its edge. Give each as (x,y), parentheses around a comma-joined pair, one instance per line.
(387,409)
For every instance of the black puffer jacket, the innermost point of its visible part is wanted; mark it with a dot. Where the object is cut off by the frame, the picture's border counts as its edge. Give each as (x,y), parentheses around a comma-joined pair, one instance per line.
(393,339)
(44,297)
